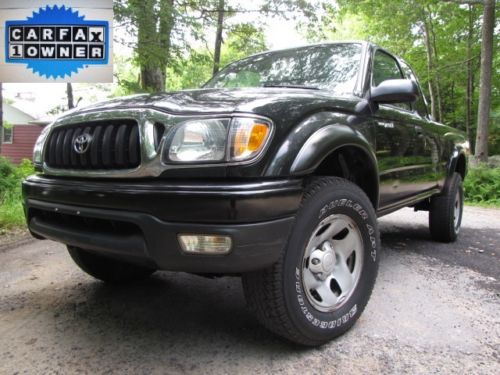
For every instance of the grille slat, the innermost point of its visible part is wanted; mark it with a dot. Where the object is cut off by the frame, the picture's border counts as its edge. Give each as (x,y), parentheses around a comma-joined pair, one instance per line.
(51,157)
(133,146)
(120,140)
(107,147)
(113,145)
(68,136)
(59,147)
(95,147)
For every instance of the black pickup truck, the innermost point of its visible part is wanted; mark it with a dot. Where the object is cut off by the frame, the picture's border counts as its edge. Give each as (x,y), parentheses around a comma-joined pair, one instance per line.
(275,170)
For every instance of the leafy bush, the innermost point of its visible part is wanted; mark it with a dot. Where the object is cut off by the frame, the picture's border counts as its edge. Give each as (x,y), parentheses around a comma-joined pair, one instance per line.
(11,208)
(482,185)
(7,179)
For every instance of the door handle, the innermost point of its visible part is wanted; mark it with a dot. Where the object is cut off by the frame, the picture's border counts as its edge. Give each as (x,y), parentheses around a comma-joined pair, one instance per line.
(419,131)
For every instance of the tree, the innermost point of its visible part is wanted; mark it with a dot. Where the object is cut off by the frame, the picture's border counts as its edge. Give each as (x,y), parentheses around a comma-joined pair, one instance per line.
(217,13)
(485,81)
(69,93)
(151,21)
(218,36)
(470,75)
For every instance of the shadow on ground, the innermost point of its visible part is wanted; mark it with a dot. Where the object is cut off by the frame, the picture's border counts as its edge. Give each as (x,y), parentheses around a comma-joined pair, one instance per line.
(477,249)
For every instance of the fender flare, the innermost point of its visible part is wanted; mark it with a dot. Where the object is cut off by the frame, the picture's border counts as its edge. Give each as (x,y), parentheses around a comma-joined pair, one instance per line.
(326,141)
(452,165)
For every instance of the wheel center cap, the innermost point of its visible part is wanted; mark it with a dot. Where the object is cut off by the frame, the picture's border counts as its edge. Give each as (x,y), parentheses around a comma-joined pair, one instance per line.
(328,262)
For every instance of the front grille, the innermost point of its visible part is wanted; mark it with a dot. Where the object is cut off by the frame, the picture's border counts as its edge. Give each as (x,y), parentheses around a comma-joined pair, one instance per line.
(113,145)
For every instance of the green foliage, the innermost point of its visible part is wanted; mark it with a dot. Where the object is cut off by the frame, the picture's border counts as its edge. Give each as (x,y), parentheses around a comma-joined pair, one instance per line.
(242,40)
(11,209)
(127,73)
(24,169)
(494,137)
(189,72)
(482,186)
(193,70)
(7,171)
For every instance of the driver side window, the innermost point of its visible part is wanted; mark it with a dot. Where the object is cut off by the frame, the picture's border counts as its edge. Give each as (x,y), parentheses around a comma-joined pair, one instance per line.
(386,67)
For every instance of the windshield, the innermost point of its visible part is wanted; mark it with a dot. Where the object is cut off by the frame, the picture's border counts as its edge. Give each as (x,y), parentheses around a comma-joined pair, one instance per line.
(330,67)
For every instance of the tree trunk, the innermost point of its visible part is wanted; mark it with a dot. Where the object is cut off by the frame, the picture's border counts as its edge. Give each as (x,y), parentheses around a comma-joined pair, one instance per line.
(152,78)
(430,76)
(218,36)
(166,26)
(69,92)
(470,80)
(485,81)
(432,44)
(150,53)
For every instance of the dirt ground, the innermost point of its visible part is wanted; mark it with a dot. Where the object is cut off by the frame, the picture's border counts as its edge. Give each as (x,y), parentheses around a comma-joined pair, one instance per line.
(435,309)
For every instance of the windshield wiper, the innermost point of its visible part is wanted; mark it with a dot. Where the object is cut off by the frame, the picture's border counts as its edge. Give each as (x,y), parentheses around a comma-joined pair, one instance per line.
(290,86)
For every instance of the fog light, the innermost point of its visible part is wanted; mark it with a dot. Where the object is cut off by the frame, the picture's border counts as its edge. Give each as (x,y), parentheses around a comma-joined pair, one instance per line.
(203,244)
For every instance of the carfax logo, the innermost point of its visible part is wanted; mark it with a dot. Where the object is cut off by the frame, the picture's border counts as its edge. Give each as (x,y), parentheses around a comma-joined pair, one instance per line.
(56,42)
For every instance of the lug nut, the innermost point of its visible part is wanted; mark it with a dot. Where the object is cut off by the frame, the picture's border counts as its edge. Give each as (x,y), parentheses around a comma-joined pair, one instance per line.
(315,261)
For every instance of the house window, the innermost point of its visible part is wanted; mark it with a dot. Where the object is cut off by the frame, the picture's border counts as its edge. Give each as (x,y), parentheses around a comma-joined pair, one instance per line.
(7,134)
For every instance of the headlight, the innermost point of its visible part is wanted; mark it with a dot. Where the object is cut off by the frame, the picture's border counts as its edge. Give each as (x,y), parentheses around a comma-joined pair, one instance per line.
(199,141)
(38,149)
(217,140)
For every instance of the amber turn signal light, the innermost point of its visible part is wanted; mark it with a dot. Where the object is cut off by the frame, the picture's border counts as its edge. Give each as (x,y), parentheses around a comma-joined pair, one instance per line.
(248,138)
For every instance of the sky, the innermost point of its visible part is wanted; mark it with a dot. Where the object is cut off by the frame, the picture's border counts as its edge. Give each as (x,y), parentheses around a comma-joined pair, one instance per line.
(38,98)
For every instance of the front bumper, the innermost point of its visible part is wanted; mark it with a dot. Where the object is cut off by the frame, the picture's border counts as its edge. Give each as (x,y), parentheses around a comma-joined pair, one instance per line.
(139,222)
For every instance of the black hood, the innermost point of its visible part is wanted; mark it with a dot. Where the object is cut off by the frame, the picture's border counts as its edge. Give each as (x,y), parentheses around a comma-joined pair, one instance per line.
(270,102)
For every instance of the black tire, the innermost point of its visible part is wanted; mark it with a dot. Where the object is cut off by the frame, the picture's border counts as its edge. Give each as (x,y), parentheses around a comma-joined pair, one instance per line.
(442,212)
(276,295)
(107,269)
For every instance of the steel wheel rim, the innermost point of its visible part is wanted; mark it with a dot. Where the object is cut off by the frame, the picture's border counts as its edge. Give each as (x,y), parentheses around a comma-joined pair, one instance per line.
(457,211)
(332,262)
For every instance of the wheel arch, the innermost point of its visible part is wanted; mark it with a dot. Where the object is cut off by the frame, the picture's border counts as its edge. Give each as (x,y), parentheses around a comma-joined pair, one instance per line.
(461,165)
(338,150)
(458,163)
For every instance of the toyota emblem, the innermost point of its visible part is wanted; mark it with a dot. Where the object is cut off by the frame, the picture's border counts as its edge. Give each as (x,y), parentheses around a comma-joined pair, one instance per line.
(82,143)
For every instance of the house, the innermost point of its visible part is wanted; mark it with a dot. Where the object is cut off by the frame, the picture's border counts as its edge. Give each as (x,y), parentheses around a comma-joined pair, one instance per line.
(20,134)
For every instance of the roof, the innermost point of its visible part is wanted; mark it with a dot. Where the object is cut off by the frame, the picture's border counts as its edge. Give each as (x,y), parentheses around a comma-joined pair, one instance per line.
(15,116)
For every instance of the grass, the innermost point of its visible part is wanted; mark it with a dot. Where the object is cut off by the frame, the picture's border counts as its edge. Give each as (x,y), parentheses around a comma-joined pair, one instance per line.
(11,212)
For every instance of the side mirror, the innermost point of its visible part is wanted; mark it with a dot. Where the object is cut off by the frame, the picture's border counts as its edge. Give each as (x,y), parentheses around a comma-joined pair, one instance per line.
(395,91)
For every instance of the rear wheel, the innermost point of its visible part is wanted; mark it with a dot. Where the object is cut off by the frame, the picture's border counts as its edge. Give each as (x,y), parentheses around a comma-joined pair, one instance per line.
(323,281)
(107,269)
(445,214)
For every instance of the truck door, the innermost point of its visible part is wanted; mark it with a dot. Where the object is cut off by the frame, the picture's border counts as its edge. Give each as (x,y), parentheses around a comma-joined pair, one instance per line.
(402,145)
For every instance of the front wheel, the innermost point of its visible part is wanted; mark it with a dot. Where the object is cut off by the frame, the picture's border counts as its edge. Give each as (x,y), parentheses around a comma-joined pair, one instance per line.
(325,276)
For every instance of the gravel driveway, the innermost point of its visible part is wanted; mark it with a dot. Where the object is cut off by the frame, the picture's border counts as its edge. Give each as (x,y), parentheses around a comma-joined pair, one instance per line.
(435,309)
